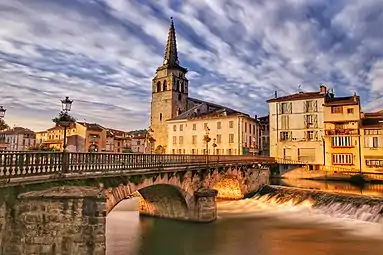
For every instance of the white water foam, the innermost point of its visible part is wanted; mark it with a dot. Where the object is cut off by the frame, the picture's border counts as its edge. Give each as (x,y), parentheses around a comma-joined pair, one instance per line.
(305,213)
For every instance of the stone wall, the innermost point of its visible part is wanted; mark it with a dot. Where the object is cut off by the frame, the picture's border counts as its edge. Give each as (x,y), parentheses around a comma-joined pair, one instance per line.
(62,220)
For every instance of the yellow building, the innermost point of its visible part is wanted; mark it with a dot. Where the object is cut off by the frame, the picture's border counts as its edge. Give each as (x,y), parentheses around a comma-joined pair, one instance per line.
(81,137)
(296,126)
(230,132)
(372,141)
(342,140)
(172,106)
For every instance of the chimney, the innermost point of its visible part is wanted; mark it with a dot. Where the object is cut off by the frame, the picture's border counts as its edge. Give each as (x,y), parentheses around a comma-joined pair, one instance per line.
(355,97)
(256,116)
(322,89)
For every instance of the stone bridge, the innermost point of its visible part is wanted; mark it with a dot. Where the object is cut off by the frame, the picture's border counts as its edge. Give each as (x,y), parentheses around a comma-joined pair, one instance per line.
(56,203)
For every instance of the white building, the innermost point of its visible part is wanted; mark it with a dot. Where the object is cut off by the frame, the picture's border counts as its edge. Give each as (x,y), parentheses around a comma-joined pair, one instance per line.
(19,139)
(296,126)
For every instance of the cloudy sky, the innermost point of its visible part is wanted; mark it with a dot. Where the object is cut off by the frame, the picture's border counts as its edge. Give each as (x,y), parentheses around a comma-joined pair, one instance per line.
(103,54)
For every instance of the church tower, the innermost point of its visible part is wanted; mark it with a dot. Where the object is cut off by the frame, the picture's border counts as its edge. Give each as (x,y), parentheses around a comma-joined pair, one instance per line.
(169,92)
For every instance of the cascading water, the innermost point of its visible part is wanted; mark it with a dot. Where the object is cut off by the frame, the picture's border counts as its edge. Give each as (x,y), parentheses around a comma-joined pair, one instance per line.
(336,205)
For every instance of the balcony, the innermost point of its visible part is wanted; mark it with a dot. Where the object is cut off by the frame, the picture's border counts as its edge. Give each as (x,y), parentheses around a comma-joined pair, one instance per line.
(342,132)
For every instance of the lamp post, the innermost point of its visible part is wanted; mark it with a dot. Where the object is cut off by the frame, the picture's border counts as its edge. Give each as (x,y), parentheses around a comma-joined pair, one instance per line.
(2,112)
(66,107)
(207,139)
(214,145)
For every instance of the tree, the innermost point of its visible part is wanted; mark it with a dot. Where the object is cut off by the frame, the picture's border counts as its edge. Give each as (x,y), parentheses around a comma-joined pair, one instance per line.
(127,150)
(3,125)
(63,119)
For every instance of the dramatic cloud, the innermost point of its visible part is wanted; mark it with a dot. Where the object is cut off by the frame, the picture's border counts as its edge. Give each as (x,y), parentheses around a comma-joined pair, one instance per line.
(103,54)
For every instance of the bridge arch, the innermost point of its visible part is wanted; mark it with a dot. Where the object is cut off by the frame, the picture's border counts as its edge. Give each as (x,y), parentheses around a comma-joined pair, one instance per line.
(162,200)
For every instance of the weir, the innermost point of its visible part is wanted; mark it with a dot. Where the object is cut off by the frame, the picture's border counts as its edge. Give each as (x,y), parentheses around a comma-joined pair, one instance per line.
(333,204)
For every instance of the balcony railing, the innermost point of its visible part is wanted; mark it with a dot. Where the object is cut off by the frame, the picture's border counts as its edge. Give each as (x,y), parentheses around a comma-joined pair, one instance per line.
(341,131)
(25,164)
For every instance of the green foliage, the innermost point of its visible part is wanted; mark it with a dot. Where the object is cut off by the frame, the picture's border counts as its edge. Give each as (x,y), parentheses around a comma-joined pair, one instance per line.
(136,179)
(3,125)
(127,150)
(62,118)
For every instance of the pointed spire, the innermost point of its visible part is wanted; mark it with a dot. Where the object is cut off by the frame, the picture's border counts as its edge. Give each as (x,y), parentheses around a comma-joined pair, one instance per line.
(171,56)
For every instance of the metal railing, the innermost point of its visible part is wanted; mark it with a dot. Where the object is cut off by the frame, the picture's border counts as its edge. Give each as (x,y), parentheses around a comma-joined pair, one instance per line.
(25,164)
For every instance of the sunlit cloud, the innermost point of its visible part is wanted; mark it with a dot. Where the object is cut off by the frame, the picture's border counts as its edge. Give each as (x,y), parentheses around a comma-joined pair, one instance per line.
(104,53)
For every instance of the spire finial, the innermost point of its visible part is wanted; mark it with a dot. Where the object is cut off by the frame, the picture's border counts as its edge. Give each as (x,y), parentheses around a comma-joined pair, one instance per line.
(171,56)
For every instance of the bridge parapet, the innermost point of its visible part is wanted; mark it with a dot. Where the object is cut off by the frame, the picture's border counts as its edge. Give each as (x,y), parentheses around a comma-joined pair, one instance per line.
(21,165)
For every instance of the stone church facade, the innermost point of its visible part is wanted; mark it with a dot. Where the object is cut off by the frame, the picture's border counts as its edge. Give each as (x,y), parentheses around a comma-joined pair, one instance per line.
(172,111)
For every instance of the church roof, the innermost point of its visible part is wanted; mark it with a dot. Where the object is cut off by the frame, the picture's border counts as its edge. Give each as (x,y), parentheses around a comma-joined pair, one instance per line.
(205,110)
(171,54)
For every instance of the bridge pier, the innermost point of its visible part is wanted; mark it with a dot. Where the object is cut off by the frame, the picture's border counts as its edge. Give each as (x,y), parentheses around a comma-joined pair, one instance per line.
(60,220)
(205,205)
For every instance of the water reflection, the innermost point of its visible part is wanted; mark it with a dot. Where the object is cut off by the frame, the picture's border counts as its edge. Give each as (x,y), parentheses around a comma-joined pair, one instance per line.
(375,190)
(244,227)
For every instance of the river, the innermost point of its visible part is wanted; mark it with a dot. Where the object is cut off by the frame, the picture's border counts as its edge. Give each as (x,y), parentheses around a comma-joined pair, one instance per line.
(254,226)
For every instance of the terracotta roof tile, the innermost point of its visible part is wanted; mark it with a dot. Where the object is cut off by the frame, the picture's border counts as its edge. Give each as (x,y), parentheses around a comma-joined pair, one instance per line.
(297,96)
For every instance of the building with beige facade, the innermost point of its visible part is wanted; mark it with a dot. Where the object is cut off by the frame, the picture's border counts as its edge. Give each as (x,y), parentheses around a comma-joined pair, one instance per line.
(81,137)
(264,136)
(372,139)
(296,125)
(17,139)
(179,123)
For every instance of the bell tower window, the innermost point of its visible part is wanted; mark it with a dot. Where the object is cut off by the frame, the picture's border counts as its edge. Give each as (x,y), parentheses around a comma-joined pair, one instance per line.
(160,116)
(179,97)
(179,111)
(158,86)
(164,87)
(182,87)
(178,86)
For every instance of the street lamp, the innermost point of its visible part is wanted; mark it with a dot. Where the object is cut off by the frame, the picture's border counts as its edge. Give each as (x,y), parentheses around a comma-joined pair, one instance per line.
(65,120)
(214,145)
(66,104)
(2,111)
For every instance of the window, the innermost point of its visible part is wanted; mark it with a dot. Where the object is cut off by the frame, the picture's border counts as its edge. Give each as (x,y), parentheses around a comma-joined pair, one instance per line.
(372,142)
(181,127)
(231,124)
(350,111)
(245,127)
(310,135)
(285,136)
(218,125)
(174,139)
(375,143)
(164,87)
(138,143)
(174,151)
(174,127)
(336,109)
(374,163)
(160,116)
(310,106)
(285,122)
(158,86)
(194,126)
(250,128)
(194,139)
(179,151)
(219,138)
(341,141)
(180,140)
(342,159)
(179,97)
(229,152)
(231,138)
(285,108)
(193,151)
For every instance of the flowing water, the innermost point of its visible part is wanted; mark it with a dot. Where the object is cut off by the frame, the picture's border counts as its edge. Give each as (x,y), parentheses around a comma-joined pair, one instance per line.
(277,220)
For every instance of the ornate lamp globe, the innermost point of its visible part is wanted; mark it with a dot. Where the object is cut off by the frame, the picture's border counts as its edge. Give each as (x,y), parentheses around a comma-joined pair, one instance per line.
(2,111)
(66,104)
